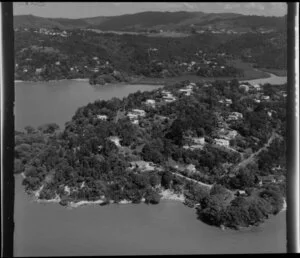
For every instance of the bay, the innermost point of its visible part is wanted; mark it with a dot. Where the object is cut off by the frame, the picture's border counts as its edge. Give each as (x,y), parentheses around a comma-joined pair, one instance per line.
(167,228)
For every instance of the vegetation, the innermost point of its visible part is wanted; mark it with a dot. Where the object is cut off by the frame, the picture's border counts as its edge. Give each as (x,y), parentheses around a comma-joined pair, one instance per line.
(103,159)
(109,58)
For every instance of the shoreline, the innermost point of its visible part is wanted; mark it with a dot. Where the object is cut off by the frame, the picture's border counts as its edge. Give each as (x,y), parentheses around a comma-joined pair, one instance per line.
(161,81)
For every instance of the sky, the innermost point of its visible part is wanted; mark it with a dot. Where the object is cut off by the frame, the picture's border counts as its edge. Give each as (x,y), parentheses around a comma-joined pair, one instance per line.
(92,9)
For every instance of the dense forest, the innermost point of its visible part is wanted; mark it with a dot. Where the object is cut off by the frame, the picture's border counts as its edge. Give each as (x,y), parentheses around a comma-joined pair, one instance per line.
(180,145)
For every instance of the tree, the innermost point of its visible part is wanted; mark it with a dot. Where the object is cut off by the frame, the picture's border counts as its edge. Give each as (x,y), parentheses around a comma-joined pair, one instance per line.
(29,129)
(166,179)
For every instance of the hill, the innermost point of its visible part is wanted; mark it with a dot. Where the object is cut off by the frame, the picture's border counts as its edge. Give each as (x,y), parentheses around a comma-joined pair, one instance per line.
(145,21)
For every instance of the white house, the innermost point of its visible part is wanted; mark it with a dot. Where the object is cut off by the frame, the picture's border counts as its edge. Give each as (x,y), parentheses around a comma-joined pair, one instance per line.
(245,87)
(102,117)
(234,116)
(150,102)
(264,97)
(57,63)
(139,112)
(115,140)
(198,140)
(222,142)
(38,70)
(228,101)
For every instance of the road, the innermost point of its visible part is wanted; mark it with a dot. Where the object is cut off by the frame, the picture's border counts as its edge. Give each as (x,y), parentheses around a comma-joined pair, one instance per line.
(192,180)
(250,159)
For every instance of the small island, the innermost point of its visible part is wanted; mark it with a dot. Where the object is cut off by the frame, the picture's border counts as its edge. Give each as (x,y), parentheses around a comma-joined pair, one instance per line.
(218,147)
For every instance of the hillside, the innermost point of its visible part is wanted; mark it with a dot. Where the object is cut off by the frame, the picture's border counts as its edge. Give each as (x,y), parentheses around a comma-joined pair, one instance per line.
(144,21)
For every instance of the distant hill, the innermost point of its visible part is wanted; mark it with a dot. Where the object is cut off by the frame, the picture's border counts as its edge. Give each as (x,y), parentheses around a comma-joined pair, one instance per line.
(156,20)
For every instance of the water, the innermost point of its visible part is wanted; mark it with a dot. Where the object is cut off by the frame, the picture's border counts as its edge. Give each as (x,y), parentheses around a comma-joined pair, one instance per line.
(273,79)
(39,103)
(167,228)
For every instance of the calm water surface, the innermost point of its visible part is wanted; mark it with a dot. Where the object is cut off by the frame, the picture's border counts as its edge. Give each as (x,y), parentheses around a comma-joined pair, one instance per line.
(41,102)
(167,228)
(273,79)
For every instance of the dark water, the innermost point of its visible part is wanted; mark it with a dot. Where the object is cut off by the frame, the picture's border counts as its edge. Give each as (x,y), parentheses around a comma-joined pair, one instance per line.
(167,228)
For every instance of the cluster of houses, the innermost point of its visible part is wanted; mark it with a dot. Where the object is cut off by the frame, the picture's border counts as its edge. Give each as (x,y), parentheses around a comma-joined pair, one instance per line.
(225,101)
(194,143)
(51,32)
(167,96)
(187,90)
(135,114)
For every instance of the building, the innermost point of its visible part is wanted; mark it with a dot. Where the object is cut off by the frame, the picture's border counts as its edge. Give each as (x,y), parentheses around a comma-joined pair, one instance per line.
(142,165)
(139,112)
(168,96)
(233,116)
(227,134)
(245,87)
(150,102)
(102,117)
(38,70)
(266,179)
(264,97)
(222,142)
(135,114)
(257,87)
(186,91)
(191,168)
(228,101)
(115,140)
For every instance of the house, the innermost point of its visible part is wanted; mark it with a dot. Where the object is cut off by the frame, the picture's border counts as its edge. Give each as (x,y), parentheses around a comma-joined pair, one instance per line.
(38,70)
(257,87)
(222,67)
(197,143)
(266,179)
(115,140)
(240,192)
(102,117)
(57,63)
(222,142)
(135,114)
(198,140)
(25,70)
(187,92)
(228,101)
(191,168)
(234,116)
(139,112)
(95,58)
(227,134)
(168,96)
(150,102)
(256,100)
(245,87)
(142,165)
(264,97)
